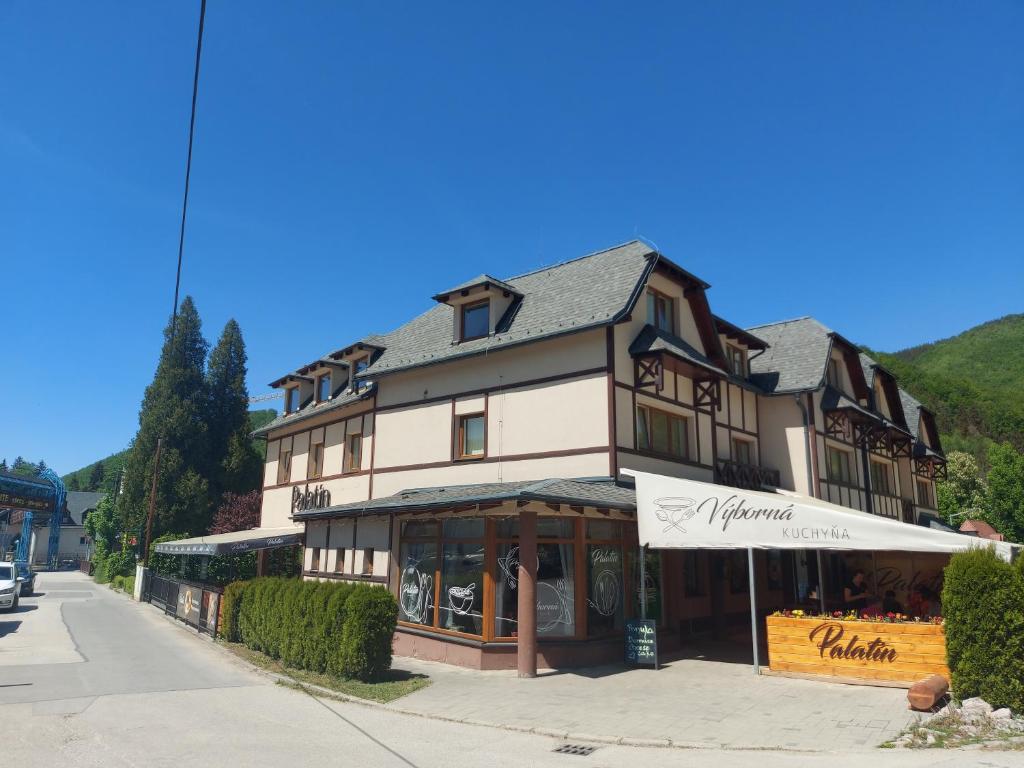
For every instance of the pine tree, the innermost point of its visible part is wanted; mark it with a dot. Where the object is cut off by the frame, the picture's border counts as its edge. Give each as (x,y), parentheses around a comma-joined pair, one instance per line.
(239,466)
(174,408)
(23,468)
(96,476)
(3,466)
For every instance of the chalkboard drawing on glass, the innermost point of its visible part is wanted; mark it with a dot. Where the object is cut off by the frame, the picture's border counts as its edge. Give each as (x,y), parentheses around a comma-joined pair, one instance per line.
(556,611)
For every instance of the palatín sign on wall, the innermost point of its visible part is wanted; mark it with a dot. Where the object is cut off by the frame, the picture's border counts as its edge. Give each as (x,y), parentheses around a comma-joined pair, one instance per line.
(307,498)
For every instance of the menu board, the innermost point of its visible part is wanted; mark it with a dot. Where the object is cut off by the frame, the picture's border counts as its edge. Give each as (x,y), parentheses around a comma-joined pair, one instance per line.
(642,642)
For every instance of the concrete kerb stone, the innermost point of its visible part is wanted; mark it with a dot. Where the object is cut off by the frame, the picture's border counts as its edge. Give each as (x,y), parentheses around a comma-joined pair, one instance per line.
(560,735)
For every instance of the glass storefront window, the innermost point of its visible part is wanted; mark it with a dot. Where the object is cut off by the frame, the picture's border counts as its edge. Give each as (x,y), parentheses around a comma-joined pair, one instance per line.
(416,582)
(604,529)
(604,589)
(695,574)
(461,606)
(464,528)
(412,529)
(556,590)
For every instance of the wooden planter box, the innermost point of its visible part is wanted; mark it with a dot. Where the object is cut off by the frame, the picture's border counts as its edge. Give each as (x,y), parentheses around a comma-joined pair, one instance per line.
(861,651)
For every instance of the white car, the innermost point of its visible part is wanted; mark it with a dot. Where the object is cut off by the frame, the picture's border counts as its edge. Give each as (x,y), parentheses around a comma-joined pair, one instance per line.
(9,587)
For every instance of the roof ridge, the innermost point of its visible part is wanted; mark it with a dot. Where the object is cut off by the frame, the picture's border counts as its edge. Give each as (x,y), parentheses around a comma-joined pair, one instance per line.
(783,322)
(578,258)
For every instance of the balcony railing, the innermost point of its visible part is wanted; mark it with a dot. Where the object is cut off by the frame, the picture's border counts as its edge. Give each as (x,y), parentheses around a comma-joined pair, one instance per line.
(747,476)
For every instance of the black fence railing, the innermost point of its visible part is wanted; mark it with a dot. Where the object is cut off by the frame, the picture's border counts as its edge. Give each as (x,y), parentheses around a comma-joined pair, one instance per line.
(198,605)
(749,476)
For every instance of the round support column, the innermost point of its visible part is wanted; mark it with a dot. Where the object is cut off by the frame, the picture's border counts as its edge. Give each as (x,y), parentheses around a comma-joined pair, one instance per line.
(526,655)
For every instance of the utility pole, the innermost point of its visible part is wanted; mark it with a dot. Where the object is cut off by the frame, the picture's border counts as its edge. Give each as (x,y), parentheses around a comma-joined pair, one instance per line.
(152,503)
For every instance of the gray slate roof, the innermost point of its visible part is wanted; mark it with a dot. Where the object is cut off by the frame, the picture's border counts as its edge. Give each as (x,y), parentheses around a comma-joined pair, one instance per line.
(651,339)
(912,410)
(315,409)
(587,292)
(80,502)
(591,493)
(796,356)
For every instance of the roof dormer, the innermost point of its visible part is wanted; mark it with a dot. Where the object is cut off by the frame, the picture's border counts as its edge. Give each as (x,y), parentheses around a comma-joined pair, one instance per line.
(738,345)
(357,358)
(479,306)
(329,377)
(298,390)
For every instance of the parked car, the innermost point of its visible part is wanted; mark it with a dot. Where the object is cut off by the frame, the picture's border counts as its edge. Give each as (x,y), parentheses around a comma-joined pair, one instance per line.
(8,587)
(27,577)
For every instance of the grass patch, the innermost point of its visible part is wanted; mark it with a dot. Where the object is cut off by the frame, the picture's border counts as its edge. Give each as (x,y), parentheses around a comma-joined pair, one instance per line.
(397,684)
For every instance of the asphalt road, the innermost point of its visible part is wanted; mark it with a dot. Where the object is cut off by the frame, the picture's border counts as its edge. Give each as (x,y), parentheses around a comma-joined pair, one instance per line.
(89,678)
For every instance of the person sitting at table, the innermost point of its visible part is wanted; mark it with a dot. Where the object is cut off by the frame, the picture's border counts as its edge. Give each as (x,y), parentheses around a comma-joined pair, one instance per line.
(890,604)
(855,593)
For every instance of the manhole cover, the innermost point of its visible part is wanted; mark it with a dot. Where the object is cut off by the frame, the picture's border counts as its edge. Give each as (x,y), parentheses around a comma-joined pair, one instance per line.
(575,749)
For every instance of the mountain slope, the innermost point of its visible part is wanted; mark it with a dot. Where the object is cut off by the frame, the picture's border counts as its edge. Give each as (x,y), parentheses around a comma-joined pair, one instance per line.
(973,381)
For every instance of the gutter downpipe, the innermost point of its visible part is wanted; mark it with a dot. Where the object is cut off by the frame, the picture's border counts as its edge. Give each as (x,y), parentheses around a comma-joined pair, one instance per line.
(810,488)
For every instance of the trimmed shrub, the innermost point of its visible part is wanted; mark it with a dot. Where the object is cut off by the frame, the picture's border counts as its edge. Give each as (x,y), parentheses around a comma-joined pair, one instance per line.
(230,606)
(341,629)
(366,636)
(983,604)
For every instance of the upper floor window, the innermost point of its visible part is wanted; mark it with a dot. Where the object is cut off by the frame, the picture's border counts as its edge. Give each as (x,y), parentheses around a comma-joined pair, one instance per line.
(737,360)
(881,477)
(316,461)
(323,388)
(661,311)
(471,437)
(832,374)
(284,466)
(924,494)
(743,451)
(839,470)
(291,400)
(662,432)
(361,365)
(354,453)
(476,320)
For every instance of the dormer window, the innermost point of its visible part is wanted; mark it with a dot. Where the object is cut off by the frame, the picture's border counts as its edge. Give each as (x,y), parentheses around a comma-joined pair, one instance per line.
(832,374)
(323,388)
(476,320)
(737,360)
(661,311)
(361,365)
(291,400)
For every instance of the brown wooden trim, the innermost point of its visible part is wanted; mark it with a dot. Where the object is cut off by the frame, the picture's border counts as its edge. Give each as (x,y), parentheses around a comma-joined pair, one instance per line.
(323,479)
(325,424)
(497,388)
(373,445)
(580,576)
(490,574)
(613,469)
(677,403)
(346,457)
(674,304)
(673,459)
(490,459)
(458,429)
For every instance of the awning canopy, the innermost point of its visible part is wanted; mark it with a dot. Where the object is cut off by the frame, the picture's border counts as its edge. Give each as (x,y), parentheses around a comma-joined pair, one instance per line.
(233,543)
(686,514)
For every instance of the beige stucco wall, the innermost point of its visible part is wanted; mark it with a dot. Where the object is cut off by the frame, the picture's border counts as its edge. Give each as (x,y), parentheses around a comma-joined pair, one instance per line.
(782,443)
(501,368)
(468,472)
(277,502)
(348,538)
(665,467)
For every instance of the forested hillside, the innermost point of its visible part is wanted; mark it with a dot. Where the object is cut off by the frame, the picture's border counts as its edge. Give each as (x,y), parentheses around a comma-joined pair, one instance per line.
(974,382)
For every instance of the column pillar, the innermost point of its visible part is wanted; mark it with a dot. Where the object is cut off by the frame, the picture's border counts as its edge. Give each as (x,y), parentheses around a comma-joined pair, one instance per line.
(262,557)
(526,655)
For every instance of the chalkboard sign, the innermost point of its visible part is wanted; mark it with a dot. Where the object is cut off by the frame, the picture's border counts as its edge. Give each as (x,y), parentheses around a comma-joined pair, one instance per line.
(642,642)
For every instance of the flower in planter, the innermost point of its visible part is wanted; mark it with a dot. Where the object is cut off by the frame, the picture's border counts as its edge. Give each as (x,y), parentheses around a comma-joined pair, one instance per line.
(798,613)
(837,614)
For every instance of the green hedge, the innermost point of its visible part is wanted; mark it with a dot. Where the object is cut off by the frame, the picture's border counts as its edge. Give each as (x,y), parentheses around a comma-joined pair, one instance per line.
(123,583)
(983,605)
(341,629)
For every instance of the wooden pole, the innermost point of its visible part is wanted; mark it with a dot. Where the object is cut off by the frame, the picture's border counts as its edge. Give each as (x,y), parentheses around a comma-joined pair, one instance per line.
(152,503)
(526,638)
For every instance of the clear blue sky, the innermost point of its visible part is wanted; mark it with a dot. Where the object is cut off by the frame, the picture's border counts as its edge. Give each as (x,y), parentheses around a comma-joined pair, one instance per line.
(860,162)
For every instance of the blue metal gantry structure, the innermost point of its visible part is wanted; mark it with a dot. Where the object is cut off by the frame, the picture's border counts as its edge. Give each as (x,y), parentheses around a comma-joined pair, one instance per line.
(29,496)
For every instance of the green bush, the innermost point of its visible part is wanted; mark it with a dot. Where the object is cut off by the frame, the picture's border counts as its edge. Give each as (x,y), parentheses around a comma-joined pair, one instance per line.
(230,605)
(341,629)
(983,604)
(366,636)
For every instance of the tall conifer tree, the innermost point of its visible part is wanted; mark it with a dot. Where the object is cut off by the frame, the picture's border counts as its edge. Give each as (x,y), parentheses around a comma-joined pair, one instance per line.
(238,466)
(174,408)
